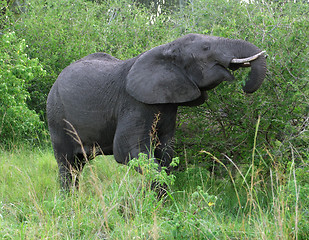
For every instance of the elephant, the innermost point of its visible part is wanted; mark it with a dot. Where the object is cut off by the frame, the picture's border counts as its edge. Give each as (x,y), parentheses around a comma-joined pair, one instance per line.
(111,104)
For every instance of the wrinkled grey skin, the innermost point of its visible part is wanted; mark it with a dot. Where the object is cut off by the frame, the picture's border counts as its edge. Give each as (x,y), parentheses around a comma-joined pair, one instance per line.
(112,103)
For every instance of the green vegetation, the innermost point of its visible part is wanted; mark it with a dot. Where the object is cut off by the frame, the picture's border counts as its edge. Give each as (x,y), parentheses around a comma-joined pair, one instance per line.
(244,159)
(115,202)
(17,71)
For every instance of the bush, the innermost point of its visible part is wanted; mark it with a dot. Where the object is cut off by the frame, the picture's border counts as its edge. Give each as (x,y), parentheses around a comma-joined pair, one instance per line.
(17,121)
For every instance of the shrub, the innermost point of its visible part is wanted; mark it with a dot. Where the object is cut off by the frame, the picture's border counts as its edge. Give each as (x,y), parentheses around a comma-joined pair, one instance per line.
(17,121)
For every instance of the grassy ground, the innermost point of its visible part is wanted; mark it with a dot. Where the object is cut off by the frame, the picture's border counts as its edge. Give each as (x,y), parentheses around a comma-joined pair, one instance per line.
(115,202)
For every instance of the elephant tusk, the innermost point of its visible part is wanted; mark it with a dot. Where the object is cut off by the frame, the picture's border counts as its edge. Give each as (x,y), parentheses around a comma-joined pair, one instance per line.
(246,60)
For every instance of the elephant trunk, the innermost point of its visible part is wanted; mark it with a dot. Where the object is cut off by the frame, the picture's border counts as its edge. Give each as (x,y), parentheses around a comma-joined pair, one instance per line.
(248,55)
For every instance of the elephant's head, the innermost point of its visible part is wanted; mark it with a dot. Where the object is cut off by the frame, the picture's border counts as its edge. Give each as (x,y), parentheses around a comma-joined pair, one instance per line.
(180,71)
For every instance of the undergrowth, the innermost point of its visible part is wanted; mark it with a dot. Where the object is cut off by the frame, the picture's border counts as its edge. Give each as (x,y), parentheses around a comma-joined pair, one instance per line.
(116,202)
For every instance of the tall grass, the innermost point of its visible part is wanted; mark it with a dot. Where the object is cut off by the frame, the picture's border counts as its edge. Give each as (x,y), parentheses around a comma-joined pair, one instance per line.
(113,204)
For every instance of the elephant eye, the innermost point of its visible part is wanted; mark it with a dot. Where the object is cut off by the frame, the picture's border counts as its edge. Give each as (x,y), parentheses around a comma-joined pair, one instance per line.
(206,48)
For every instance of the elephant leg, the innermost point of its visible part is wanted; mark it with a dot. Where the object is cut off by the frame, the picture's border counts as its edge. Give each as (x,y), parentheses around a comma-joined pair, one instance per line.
(65,170)
(70,165)
(124,152)
(130,140)
(164,150)
(128,146)
(164,154)
(77,167)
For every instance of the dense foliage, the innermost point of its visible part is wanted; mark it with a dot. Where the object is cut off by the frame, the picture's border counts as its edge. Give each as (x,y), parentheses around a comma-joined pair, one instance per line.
(17,71)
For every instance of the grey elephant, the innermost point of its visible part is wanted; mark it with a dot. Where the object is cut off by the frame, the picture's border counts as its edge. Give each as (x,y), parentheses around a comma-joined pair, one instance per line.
(112,103)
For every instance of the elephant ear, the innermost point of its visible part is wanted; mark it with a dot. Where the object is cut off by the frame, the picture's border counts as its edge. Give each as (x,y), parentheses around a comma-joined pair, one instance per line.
(154,78)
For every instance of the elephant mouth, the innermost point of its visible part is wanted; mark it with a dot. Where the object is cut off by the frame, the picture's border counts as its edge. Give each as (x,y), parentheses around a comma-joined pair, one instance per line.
(223,70)
(237,63)
(257,64)
(236,66)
